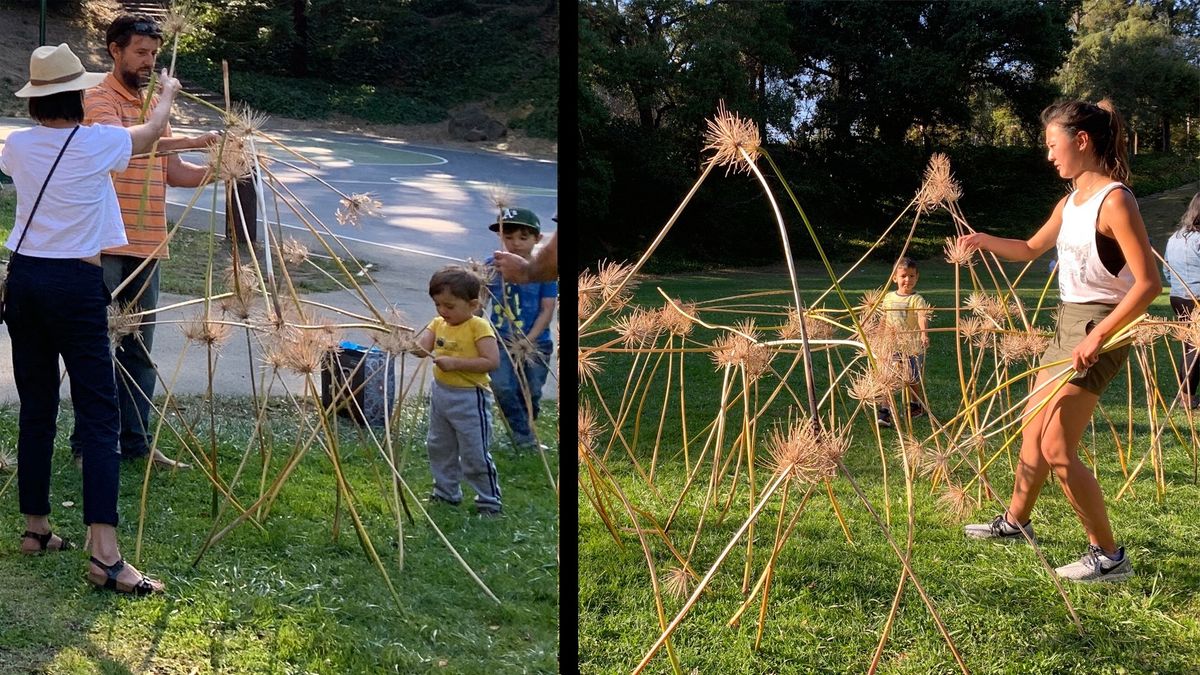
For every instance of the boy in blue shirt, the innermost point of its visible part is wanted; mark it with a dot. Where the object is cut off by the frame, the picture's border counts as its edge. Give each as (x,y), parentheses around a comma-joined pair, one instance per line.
(521,314)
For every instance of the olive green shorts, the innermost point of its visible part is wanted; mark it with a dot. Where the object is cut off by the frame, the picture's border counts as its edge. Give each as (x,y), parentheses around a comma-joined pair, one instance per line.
(1075,321)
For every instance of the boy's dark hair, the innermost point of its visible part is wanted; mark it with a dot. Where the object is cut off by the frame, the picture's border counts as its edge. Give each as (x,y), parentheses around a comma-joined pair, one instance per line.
(65,105)
(907,263)
(512,227)
(457,280)
(124,27)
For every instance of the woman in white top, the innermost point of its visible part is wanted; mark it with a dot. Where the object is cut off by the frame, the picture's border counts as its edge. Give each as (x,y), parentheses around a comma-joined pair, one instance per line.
(1183,272)
(1107,278)
(56,302)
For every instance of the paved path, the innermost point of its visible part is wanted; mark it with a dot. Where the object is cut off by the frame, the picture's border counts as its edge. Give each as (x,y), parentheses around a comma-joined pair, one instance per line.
(436,207)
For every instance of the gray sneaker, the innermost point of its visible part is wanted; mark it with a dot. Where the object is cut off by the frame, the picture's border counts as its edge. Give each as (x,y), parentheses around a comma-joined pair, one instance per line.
(1095,565)
(1000,530)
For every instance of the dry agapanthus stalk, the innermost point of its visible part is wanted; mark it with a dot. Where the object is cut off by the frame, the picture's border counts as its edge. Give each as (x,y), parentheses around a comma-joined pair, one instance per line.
(481,271)
(1188,330)
(354,207)
(177,21)
(1150,330)
(588,291)
(937,461)
(589,429)
(500,196)
(397,340)
(728,135)
(1021,346)
(912,448)
(972,327)
(808,452)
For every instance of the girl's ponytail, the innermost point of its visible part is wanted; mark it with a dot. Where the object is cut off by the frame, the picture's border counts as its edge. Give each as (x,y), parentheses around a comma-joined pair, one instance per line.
(1115,155)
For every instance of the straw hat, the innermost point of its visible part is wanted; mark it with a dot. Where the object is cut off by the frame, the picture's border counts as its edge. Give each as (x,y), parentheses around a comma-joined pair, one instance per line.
(57,69)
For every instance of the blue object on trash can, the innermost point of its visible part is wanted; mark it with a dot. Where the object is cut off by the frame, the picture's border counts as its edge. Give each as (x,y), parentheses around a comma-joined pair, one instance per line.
(360,383)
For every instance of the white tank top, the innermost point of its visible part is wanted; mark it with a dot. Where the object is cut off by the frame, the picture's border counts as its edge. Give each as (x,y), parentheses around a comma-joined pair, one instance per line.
(1081,275)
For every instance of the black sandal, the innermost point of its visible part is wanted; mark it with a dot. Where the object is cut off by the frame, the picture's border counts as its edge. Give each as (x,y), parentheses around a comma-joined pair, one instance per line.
(142,587)
(43,541)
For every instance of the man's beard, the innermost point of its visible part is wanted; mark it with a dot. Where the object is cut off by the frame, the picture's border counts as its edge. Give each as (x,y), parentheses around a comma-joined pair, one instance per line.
(135,80)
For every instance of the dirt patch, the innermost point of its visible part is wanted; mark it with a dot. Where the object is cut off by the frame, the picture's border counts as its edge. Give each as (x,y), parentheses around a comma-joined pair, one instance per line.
(86,37)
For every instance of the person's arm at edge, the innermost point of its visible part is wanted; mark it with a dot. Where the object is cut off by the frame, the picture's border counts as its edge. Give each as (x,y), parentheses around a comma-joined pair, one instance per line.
(144,135)
(545,315)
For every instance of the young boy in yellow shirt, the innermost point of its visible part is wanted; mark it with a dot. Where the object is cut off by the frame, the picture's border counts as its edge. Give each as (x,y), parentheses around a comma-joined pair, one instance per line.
(464,351)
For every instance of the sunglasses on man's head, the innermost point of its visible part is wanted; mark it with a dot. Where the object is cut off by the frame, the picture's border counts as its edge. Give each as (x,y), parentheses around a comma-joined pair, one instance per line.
(147,28)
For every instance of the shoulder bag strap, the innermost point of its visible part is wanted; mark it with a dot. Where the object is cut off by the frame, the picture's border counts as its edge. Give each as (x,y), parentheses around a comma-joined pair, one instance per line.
(43,190)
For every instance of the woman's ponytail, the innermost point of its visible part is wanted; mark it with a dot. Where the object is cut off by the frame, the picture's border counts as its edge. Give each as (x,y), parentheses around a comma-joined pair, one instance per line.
(1116,155)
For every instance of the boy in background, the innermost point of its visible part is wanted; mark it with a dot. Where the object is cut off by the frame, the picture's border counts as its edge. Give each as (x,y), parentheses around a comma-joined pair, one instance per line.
(464,351)
(906,314)
(521,314)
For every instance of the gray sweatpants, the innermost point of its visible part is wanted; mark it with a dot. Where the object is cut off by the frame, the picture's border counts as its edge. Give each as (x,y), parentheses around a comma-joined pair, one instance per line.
(460,432)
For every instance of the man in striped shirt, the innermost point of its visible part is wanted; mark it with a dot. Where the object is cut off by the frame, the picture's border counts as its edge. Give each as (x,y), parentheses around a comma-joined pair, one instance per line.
(133,42)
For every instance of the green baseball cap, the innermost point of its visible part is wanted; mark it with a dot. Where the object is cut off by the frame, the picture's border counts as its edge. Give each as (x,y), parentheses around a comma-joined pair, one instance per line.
(513,216)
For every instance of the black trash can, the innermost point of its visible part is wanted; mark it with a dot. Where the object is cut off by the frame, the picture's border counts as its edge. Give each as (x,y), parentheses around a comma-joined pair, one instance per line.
(360,383)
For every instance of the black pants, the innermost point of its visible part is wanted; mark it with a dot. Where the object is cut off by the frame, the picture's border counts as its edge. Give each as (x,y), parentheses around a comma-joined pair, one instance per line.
(58,308)
(1189,374)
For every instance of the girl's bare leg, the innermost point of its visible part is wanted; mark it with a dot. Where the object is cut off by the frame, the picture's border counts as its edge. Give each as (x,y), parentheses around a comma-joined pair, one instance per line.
(1032,467)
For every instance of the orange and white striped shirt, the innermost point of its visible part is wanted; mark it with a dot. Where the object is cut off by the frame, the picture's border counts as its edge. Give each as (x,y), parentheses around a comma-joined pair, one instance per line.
(143,203)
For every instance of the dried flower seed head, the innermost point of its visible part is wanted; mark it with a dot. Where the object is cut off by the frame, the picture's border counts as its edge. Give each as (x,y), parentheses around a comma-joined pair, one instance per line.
(397,340)
(638,328)
(972,327)
(610,277)
(355,207)
(206,332)
(302,351)
(1150,330)
(122,322)
(1021,346)
(868,386)
(230,160)
(676,322)
(958,253)
(939,186)
(677,582)
(912,449)
(809,453)
(8,459)
(813,326)
(738,351)
(520,349)
(957,502)
(728,136)
(1188,329)
(177,21)
(589,292)
(500,197)
(481,271)
(869,306)
(589,364)
(937,461)
(241,280)
(293,252)
(589,430)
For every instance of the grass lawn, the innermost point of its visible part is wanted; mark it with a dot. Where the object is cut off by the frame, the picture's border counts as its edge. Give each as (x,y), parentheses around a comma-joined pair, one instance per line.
(829,598)
(295,598)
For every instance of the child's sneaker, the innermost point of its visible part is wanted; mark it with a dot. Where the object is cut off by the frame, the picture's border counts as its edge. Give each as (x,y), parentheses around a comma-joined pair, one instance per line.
(1095,565)
(488,511)
(435,498)
(884,418)
(1000,530)
(916,410)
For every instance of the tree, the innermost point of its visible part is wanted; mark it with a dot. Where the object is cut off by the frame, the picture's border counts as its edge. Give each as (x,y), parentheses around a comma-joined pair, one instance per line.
(1130,53)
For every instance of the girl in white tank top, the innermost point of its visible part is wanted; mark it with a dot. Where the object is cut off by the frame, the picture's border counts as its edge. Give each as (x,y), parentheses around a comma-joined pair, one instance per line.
(1107,277)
